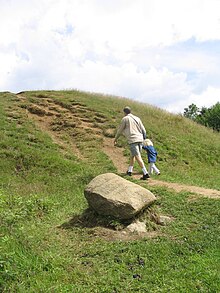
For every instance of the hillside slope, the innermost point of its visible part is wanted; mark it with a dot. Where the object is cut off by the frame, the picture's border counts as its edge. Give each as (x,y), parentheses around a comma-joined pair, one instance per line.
(57,119)
(52,145)
(188,153)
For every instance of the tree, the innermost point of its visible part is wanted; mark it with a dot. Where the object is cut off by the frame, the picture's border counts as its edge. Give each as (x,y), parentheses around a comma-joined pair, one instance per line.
(209,117)
(191,112)
(213,117)
(202,116)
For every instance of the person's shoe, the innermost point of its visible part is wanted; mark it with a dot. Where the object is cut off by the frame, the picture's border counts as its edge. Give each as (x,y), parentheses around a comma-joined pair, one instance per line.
(129,173)
(145,177)
(158,173)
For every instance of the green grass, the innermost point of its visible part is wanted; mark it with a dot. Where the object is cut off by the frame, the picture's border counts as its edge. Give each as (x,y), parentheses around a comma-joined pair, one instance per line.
(41,193)
(188,152)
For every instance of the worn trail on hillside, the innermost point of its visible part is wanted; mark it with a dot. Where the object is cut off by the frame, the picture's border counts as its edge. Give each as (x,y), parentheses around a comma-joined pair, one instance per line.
(65,125)
(55,118)
(121,163)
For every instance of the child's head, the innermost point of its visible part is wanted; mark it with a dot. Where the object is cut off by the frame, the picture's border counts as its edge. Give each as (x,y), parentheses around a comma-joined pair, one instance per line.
(147,142)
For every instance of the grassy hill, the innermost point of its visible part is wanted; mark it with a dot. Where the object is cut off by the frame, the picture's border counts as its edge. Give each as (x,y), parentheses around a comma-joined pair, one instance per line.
(52,144)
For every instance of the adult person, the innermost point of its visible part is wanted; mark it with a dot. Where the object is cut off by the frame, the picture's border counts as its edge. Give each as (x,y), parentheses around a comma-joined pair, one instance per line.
(133,129)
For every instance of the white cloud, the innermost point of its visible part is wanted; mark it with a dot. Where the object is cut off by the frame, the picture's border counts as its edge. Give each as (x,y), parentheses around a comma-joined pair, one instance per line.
(207,98)
(156,51)
(158,87)
(7,61)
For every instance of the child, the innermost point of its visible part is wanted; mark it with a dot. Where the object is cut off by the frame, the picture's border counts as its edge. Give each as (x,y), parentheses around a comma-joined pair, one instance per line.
(152,156)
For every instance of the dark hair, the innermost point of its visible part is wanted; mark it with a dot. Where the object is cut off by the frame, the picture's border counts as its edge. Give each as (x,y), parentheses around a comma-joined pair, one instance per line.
(127,110)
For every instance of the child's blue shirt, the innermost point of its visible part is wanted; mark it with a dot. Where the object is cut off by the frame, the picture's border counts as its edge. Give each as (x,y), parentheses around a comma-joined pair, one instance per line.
(151,153)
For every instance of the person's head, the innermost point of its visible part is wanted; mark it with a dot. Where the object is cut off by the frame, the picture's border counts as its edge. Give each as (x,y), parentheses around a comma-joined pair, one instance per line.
(147,142)
(127,110)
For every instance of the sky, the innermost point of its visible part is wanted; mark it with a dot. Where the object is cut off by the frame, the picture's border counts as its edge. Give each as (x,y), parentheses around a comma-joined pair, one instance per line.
(161,52)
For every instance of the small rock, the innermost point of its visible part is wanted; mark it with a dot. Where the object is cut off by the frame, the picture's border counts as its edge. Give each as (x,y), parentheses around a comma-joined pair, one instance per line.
(164,220)
(137,226)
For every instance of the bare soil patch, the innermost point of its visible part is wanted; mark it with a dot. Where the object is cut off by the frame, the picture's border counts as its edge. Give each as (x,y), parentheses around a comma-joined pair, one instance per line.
(210,193)
(115,154)
(65,125)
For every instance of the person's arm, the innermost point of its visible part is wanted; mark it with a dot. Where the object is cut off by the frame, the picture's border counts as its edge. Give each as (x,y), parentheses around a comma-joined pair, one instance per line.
(143,130)
(120,130)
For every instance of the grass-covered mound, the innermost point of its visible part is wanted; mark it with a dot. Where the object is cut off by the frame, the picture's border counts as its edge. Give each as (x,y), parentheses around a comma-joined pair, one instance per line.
(51,147)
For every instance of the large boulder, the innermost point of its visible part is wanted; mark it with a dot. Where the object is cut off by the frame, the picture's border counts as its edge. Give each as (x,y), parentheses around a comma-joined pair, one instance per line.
(110,195)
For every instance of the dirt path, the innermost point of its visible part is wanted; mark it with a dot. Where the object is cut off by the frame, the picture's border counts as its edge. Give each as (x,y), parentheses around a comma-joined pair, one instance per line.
(207,192)
(121,163)
(115,154)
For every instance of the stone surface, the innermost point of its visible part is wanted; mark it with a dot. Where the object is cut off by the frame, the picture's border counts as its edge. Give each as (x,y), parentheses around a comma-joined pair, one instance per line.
(164,220)
(137,227)
(111,195)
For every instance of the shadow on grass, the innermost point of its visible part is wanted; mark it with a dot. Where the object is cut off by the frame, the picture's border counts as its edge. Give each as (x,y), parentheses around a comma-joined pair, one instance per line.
(90,219)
